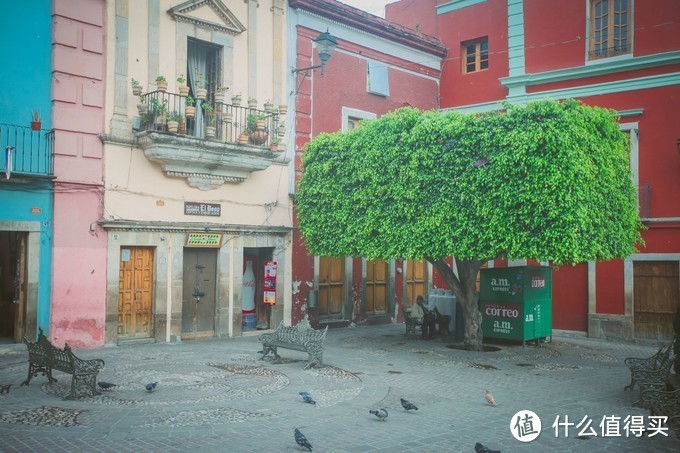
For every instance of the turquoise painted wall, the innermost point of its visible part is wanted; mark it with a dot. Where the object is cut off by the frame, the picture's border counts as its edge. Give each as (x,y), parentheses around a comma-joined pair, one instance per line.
(27,34)
(16,202)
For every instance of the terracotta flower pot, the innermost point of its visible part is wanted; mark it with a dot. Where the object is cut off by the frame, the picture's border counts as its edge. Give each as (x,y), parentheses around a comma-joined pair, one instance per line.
(36,125)
(258,137)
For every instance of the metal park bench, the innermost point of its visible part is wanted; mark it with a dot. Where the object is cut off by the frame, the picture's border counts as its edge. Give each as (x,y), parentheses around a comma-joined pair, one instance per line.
(301,337)
(647,367)
(43,357)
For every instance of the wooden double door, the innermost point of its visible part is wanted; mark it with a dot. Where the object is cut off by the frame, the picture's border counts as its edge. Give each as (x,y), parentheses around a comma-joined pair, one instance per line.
(332,288)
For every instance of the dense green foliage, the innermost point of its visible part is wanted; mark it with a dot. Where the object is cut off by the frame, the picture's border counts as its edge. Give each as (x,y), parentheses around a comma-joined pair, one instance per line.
(557,186)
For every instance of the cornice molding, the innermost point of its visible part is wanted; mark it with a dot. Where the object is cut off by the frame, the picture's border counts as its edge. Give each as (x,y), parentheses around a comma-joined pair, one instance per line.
(592,70)
(182,227)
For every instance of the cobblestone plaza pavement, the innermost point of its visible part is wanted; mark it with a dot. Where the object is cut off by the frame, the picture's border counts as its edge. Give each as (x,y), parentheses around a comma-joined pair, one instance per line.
(216,395)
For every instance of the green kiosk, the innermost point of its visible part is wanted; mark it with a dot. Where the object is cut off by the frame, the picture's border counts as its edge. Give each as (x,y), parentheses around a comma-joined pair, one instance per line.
(516,303)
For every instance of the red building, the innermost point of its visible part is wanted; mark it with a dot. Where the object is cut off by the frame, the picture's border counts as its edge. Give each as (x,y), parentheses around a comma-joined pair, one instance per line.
(377,67)
(622,55)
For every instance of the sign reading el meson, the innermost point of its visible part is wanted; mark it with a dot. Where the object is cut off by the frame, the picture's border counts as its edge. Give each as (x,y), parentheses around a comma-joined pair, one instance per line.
(206,209)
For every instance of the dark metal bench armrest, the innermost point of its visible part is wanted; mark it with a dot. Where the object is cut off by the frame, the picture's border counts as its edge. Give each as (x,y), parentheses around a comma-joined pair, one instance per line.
(662,400)
(635,363)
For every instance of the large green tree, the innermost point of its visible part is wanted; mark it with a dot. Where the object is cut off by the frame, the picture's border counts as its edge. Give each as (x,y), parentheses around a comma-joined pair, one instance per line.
(549,181)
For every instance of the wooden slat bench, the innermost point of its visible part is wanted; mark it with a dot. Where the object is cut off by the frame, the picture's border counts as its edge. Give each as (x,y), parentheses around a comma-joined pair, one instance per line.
(302,337)
(43,357)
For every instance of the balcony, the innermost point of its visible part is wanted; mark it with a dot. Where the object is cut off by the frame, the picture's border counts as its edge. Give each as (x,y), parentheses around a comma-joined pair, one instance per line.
(32,153)
(208,143)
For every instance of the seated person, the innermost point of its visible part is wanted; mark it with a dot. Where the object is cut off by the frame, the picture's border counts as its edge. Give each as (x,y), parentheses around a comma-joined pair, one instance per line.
(424,316)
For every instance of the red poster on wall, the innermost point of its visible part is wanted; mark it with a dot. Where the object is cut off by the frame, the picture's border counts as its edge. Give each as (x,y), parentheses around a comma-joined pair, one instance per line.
(269,292)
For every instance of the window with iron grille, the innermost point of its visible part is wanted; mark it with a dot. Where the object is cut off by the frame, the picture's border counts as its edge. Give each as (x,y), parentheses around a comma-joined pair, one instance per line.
(610,28)
(475,55)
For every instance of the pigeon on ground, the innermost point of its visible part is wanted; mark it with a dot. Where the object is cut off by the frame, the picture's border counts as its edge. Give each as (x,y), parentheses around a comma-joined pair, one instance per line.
(105,385)
(380,413)
(490,399)
(151,386)
(4,388)
(408,405)
(302,440)
(307,398)
(479,448)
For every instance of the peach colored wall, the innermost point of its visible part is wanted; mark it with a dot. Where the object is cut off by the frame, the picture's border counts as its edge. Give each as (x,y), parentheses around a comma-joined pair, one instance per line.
(79,253)
(134,185)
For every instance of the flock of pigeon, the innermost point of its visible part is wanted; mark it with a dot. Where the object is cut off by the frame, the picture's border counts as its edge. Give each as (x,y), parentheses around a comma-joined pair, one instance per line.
(300,438)
(382,414)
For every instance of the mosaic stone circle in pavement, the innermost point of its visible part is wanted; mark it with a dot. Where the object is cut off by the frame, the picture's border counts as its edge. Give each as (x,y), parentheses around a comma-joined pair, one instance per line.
(240,378)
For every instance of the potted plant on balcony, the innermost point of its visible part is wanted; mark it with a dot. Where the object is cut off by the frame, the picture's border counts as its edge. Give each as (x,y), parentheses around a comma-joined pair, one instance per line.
(243,137)
(274,146)
(36,120)
(136,87)
(182,87)
(209,112)
(159,110)
(268,106)
(173,121)
(281,129)
(161,84)
(236,99)
(189,108)
(252,103)
(199,85)
(256,130)
(220,94)
(142,106)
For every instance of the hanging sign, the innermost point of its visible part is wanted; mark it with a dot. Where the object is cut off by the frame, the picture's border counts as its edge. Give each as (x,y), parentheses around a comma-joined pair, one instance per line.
(208,240)
(269,290)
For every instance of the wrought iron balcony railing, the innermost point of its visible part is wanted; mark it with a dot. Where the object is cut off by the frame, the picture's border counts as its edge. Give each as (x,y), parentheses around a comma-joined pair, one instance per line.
(218,121)
(26,152)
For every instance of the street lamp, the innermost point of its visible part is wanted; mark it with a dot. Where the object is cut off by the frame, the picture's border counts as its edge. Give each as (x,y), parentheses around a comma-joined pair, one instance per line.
(325,45)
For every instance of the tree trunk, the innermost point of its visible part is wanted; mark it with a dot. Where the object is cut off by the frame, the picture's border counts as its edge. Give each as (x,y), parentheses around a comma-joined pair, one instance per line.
(463,287)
